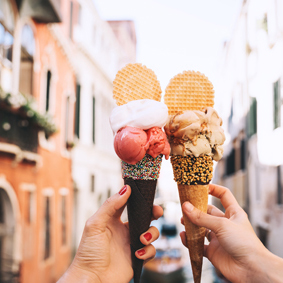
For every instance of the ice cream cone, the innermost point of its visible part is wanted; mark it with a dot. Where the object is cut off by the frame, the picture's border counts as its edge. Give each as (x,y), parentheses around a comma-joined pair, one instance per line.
(196,139)
(140,143)
(139,208)
(198,196)
(192,176)
(142,178)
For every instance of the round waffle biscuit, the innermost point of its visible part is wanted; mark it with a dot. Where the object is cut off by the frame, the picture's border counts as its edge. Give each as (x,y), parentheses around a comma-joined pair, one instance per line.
(134,82)
(189,90)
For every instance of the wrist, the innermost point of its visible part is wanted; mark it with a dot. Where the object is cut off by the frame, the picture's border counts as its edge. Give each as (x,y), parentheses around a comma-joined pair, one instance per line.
(267,268)
(75,274)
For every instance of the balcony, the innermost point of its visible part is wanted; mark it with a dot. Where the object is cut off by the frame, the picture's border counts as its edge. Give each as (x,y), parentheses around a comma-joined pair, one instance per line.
(43,11)
(18,129)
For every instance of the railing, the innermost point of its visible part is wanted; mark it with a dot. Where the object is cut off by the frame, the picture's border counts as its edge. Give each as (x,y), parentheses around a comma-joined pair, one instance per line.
(18,129)
(6,273)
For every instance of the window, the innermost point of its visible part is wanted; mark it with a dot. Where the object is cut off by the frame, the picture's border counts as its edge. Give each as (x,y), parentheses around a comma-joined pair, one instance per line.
(243,154)
(230,163)
(71,20)
(93,120)
(67,120)
(276,105)
(252,118)
(6,30)
(27,59)
(47,232)
(6,44)
(29,212)
(280,184)
(92,183)
(77,111)
(63,220)
(47,97)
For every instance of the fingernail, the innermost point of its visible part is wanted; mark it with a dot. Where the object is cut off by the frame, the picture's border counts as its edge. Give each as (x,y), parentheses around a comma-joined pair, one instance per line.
(141,252)
(147,236)
(188,207)
(123,190)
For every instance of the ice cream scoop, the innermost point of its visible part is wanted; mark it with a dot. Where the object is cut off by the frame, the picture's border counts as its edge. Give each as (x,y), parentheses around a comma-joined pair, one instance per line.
(131,144)
(195,132)
(158,143)
(143,114)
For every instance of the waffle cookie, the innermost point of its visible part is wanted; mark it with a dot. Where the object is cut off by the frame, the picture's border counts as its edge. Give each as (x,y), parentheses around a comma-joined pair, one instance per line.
(189,90)
(135,81)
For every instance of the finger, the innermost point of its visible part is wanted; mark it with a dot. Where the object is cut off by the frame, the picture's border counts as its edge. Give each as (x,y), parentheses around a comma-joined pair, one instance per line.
(157,212)
(112,207)
(226,197)
(182,220)
(212,210)
(146,253)
(149,236)
(200,218)
(183,238)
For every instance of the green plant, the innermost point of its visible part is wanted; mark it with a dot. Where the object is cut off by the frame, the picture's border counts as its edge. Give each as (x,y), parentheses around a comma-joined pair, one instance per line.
(26,105)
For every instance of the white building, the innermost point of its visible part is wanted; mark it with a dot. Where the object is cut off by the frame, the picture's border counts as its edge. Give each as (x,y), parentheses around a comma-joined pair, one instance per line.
(250,89)
(97,51)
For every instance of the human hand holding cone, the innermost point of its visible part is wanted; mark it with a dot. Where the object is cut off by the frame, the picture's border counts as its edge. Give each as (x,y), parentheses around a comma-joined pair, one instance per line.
(196,138)
(137,122)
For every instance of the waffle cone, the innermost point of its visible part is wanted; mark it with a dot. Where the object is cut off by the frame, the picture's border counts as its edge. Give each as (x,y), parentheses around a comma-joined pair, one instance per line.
(198,196)
(139,208)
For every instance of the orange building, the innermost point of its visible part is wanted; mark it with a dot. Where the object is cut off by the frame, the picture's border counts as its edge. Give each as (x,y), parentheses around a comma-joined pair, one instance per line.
(37,105)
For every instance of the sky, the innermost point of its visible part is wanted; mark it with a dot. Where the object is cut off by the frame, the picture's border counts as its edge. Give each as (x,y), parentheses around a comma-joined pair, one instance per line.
(176,35)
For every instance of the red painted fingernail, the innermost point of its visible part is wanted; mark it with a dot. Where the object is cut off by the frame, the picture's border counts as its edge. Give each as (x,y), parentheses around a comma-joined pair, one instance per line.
(123,190)
(147,236)
(141,252)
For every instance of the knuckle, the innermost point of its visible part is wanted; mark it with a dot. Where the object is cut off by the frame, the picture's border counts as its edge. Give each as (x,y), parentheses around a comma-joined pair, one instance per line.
(198,216)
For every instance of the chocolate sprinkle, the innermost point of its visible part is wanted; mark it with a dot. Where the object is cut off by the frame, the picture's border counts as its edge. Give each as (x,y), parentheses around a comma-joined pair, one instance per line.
(191,170)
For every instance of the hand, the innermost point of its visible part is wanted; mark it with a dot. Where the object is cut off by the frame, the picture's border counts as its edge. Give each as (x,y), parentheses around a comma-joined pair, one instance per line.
(234,248)
(104,253)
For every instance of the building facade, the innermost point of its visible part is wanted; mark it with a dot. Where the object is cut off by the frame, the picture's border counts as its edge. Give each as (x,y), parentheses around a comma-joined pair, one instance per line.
(37,91)
(251,103)
(98,50)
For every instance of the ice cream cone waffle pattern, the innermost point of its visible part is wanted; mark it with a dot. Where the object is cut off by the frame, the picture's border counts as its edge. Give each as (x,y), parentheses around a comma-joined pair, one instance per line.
(196,138)
(134,82)
(189,90)
(140,143)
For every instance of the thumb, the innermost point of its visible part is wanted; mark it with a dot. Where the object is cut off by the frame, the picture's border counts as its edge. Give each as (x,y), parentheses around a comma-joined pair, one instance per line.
(112,207)
(200,218)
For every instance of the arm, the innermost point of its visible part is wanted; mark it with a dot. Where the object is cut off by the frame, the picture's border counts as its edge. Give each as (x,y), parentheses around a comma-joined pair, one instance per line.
(234,248)
(104,250)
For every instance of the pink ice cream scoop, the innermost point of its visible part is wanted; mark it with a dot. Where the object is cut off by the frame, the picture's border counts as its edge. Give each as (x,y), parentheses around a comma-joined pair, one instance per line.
(131,144)
(158,143)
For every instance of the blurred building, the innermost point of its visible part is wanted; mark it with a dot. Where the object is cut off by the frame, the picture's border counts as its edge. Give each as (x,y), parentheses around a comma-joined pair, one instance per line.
(251,103)
(58,60)
(37,98)
(100,49)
